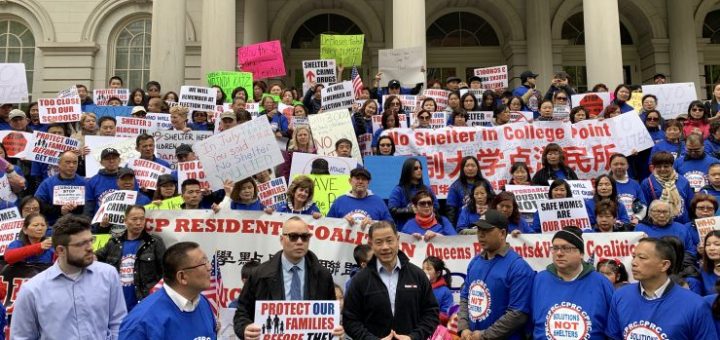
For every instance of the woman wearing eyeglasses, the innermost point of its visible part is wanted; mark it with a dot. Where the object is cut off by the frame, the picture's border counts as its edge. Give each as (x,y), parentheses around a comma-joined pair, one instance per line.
(423,119)
(697,121)
(426,224)
(649,103)
(411,181)
(701,206)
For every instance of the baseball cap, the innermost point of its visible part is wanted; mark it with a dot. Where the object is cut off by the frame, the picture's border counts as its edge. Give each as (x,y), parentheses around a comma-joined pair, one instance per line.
(527,74)
(15,113)
(108,152)
(659,75)
(493,219)
(228,114)
(452,79)
(474,78)
(183,149)
(360,172)
(165,179)
(394,84)
(137,110)
(122,172)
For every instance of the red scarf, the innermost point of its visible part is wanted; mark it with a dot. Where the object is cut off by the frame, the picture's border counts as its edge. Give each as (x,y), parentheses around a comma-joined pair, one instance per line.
(426,222)
(439,283)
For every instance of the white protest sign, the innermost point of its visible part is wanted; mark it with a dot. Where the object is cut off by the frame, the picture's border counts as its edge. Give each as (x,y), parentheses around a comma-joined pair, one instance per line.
(13,83)
(125,146)
(303,164)
(306,319)
(192,170)
(438,120)
(495,77)
(528,196)
(48,147)
(253,109)
(69,194)
(166,141)
(706,225)
(561,112)
(11,223)
(521,116)
(273,192)
(102,96)
(440,97)
(626,131)
(403,64)
(559,213)
(377,121)
(480,118)
(147,172)
(365,143)
(198,98)
(59,110)
(338,96)
(594,103)
(160,121)
(672,99)
(6,193)
(113,206)
(409,102)
(580,188)
(239,152)
(329,127)
(321,71)
(70,92)
(131,127)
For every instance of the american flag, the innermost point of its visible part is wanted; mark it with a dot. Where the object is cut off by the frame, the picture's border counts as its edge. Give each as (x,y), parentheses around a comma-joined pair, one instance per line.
(212,293)
(356,82)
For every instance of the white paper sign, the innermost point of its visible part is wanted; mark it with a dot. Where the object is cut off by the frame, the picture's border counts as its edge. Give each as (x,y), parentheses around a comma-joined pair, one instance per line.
(70,92)
(305,319)
(321,71)
(198,98)
(68,194)
(273,193)
(101,97)
(559,213)
(166,141)
(48,147)
(59,110)
(672,99)
(495,77)
(131,127)
(160,121)
(593,102)
(528,196)
(113,206)
(11,223)
(480,118)
(338,96)
(440,97)
(302,164)
(192,170)
(329,127)
(147,172)
(403,64)
(13,83)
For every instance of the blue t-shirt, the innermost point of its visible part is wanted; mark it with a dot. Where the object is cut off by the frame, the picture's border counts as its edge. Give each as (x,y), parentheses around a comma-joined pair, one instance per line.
(673,229)
(622,214)
(127,271)
(369,206)
(254,206)
(710,300)
(695,170)
(652,189)
(676,149)
(45,258)
(444,297)
(628,192)
(46,191)
(466,219)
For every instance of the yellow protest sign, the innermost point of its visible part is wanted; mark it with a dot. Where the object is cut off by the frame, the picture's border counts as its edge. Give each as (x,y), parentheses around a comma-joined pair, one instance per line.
(100,241)
(345,49)
(229,81)
(328,188)
(636,101)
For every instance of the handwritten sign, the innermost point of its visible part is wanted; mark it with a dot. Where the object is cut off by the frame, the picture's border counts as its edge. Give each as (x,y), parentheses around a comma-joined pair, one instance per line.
(321,71)
(263,60)
(345,49)
(147,172)
(102,96)
(306,319)
(559,213)
(198,98)
(706,225)
(229,81)
(528,196)
(492,78)
(593,102)
(48,147)
(11,223)
(329,127)
(239,152)
(338,96)
(70,92)
(166,142)
(113,206)
(672,99)
(440,97)
(403,64)
(132,126)
(59,110)
(13,83)
(273,192)
(160,121)
(192,170)
(328,188)
(69,194)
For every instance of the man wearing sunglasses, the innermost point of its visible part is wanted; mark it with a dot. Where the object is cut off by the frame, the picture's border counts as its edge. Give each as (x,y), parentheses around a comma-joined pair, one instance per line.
(292,274)
(76,298)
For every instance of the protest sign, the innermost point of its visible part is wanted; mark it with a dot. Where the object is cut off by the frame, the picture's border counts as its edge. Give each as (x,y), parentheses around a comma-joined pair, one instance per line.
(198,98)
(635,100)
(273,193)
(328,188)
(304,163)
(113,206)
(528,196)
(403,64)
(338,96)
(409,102)
(672,99)
(386,172)
(480,118)
(492,78)
(345,49)
(521,116)
(70,92)
(11,223)
(377,121)
(321,71)
(102,96)
(329,127)
(561,112)
(263,60)
(131,127)
(59,110)
(192,170)
(125,146)
(159,121)
(365,144)
(13,83)
(68,194)
(305,319)
(440,97)
(556,214)
(239,152)
(48,147)
(580,188)
(706,225)
(17,144)
(593,102)
(437,121)
(229,81)
(147,172)
(166,142)
(6,193)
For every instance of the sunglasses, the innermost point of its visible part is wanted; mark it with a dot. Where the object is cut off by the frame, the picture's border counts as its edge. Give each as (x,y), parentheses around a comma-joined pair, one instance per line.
(561,98)
(293,237)
(425,204)
(697,109)
(424,117)
(652,119)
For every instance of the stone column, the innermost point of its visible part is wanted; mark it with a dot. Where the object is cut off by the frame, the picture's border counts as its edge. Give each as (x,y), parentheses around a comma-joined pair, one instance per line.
(409,27)
(255,27)
(684,61)
(167,50)
(218,52)
(539,42)
(603,53)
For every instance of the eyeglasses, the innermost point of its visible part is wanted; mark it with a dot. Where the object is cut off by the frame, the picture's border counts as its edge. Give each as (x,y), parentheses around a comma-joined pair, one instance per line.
(293,237)
(206,263)
(385,145)
(560,98)
(424,117)
(395,104)
(83,244)
(652,119)
(425,204)
(661,212)
(563,249)
(705,208)
(697,109)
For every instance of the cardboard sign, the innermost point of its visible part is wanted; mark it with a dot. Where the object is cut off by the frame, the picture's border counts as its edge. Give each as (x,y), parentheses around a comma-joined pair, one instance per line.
(192,170)
(403,64)
(706,225)
(70,92)
(440,97)
(239,152)
(386,173)
(528,196)
(68,194)
(593,102)
(125,146)
(377,121)
(113,206)
(59,110)
(13,83)
(345,49)
(147,172)
(198,98)
(328,188)
(559,213)
(303,164)
(102,96)
(495,77)
(48,147)
(263,60)
(166,142)
(321,71)
(11,223)
(672,99)
(273,193)
(329,127)
(338,96)
(131,127)
(229,81)
(304,319)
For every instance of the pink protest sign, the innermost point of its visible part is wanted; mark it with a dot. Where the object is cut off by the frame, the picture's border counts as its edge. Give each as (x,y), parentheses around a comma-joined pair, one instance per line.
(263,60)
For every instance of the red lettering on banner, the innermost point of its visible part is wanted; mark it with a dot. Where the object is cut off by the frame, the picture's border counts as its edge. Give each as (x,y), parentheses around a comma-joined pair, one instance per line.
(490,160)
(181,225)
(521,155)
(456,161)
(436,165)
(602,154)
(576,158)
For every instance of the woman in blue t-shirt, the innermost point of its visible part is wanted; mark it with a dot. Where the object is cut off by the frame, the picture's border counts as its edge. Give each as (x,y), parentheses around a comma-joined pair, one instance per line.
(32,246)
(710,270)
(300,198)
(459,193)
(439,277)
(605,189)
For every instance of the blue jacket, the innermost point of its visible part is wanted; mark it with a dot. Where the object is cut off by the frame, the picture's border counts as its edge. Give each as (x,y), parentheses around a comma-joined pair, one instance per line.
(652,189)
